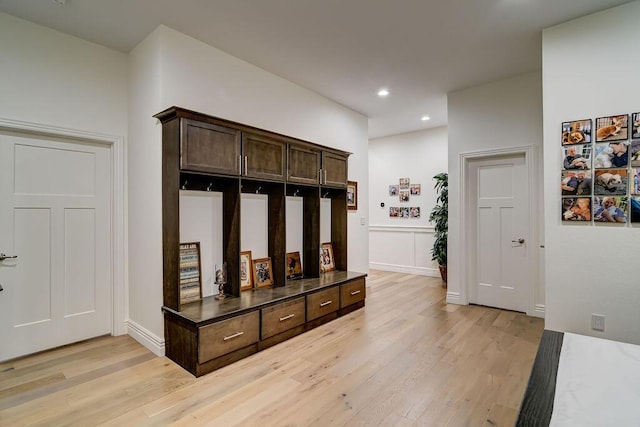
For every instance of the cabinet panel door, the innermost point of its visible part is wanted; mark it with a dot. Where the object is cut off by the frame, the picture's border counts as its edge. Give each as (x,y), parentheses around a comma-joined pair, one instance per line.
(263,157)
(209,148)
(304,165)
(226,336)
(334,169)
(352,292)
(282,317)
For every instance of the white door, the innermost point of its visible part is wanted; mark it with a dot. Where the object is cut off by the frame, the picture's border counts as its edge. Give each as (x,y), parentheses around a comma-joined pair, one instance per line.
(499,224)
(55,218)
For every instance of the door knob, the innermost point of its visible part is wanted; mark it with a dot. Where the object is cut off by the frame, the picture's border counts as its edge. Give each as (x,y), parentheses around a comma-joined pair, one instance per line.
(520,241)
(3,256)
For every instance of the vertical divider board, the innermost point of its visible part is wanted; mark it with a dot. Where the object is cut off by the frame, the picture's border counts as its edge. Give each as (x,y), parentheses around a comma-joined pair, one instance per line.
(311,232)
(277,232)
(339,227)
(231,235)
(171,214)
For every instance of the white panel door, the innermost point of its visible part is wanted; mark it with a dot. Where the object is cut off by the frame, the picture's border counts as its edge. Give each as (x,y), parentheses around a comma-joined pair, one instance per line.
(55,218)
(499,198)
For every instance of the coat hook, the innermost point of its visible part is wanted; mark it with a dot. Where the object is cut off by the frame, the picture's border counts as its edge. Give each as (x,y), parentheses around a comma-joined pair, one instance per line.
(258,190)
(184,186)
(210,186)
(325,195)
(295,193)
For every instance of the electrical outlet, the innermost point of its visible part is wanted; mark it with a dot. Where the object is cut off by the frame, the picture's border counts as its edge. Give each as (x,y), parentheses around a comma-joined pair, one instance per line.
(597,322)
(362,221)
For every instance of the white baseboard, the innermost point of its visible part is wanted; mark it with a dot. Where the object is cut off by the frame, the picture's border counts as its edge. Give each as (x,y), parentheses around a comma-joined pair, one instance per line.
(454,298)
(420,271)
(146,338)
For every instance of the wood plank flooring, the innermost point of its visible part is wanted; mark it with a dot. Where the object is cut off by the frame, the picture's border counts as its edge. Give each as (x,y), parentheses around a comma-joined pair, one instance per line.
(406,359)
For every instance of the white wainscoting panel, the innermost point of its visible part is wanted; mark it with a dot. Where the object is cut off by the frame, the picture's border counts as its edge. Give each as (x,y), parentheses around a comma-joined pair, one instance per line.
(404,249)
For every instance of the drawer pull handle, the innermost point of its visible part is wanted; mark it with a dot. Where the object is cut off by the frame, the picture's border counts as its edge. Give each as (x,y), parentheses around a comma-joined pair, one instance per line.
(282,319)
(355,292)
(322,304)
(237,334)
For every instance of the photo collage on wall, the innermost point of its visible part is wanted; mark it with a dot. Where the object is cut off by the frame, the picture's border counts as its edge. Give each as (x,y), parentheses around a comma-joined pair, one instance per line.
(404,190)
(600,180)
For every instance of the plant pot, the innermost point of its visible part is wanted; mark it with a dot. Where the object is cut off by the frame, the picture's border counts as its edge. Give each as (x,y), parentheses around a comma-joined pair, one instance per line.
(443,273)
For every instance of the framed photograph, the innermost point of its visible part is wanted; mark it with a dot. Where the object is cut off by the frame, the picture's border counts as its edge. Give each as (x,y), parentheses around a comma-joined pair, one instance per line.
(610,209)
(404,212)
(576,132)
(576,157)
(246,267)
(190,272)
(612,128)
(394,212)
(294,266)
(635,125)
(404,195)
(327,262)
(634,209)
(611,182)
(414,189)
(393,190)
(611,155)
(352,195)
(635,153)
(404,183)
(576,183)
(576,209)
(262,272)
(414,212)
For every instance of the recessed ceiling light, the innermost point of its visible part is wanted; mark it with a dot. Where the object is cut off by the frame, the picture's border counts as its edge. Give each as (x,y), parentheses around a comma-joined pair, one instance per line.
(60,2)
(425,118)
(383,92)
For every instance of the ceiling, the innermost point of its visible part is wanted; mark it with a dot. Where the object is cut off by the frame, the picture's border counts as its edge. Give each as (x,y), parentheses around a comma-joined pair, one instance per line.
(344,50)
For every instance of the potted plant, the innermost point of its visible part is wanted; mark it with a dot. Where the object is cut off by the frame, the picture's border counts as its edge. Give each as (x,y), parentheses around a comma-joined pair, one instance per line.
(440,216)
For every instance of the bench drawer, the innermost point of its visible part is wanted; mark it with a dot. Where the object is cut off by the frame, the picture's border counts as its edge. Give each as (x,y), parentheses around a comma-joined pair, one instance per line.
(224,337)
(283,316)
(322,303)
(352,292)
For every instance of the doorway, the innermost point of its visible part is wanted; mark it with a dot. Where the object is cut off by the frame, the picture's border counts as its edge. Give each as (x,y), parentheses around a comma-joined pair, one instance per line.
(56,237)
(498,229)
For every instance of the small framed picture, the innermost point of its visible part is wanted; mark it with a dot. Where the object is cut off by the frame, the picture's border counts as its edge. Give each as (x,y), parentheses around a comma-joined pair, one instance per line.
(404,183)
(635,153)
(635,186)
(404,212)
(327,262)
(576,157)
(246,267)
(414,212)
(576,183)
(352,195)
(635,125)
(190,272)
(404,195)
(576,132)
(610,182)
(414,189)
(610,209)
(393,190)
(612,128)
(262,272)
(394,212)
(576,209)
(634,209)
(294,266)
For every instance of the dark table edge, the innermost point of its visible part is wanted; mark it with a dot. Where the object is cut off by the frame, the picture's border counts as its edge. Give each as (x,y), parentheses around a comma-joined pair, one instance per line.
(537,403)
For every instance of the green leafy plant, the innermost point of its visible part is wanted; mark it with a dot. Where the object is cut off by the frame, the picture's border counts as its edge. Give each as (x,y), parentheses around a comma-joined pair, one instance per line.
(440,216)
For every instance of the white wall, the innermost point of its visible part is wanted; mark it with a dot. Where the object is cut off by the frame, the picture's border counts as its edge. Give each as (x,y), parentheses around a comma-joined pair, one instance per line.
(174,69)
(502,114)
(404,244)
(590,269)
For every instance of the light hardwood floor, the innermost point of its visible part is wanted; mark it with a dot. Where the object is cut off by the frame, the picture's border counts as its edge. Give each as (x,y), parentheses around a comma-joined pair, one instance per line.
(406,359)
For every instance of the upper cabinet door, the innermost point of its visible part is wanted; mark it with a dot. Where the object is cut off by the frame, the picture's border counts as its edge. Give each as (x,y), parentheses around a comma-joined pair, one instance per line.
(334,169)
(263,157)
(209,148)
(304,165)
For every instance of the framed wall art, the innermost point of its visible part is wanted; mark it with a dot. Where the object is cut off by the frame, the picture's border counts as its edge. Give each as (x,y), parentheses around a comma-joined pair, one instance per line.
(414,189)
(576,132)
(190,272)
(404,183)
(326,257)
(294,265)
(635,125)
(246,267)
(612,128)
(262,272)
(393,190)
(352,195)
